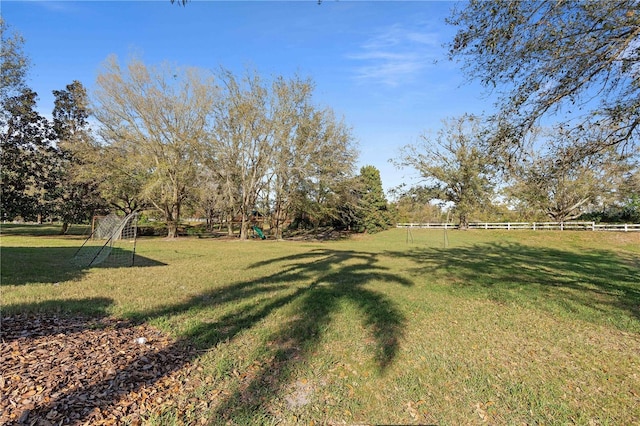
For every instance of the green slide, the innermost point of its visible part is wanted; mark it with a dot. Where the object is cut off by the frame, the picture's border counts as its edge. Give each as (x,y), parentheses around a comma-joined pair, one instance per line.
(259,232)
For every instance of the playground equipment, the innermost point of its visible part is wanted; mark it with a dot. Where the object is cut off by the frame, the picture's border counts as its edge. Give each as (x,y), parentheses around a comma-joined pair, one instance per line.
(259,232)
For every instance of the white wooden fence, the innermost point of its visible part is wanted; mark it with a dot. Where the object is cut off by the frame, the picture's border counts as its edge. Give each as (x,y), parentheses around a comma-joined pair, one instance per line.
(561,226)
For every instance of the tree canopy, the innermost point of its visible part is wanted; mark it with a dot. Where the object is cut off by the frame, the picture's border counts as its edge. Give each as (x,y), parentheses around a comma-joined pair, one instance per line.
(74,197)
(158,117)
(576,62)
(234,147)
(14,63)
(26,158)
(453,165)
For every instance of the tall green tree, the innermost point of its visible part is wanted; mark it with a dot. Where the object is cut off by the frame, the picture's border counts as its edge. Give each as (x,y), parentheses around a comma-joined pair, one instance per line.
(157,118)
(17,109)
(454,166)
(349,209)
(26,160)
(572,61)
(375,213)
(74,197)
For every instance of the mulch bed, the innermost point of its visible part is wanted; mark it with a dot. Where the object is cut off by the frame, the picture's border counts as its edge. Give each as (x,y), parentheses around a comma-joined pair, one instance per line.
(56,369)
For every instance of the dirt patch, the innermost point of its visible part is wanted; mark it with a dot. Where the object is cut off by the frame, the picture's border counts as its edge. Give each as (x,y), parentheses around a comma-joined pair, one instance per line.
(301,394)
(78,370)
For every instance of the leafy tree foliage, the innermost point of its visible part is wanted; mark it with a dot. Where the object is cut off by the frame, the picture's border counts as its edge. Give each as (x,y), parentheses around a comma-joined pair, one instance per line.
(349,210)
(575,61)
(74,198)
(375,213)
(241,143)
(229,148)
(318,195)
(560,192)
(14,64)
(629,203)
(454,166)
(415,206)
(562,186)
(26,161)
(70,114)
(119,178)
(621,194)
(23,130)
(36,155)
(306,136)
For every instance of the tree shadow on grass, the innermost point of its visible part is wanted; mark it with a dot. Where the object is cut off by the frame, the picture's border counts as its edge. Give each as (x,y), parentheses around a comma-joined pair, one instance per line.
(607,284)
(335,277)
(311,286)
(49,265)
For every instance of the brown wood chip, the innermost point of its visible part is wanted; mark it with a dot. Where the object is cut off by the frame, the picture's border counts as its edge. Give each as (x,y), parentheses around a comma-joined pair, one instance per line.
(76,370)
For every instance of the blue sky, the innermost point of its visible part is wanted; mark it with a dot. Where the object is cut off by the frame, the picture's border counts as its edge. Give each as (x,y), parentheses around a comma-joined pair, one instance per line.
(380,65)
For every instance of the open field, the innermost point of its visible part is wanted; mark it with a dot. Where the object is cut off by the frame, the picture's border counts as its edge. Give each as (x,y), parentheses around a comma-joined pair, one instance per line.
(497,327)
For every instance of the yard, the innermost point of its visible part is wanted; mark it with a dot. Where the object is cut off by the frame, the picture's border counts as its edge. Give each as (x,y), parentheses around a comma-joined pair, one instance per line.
(497,327)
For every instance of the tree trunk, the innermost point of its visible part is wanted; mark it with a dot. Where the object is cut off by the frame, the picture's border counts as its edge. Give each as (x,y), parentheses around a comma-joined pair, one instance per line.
(172,217)
(244,228)
(278,230)
(65,228)
(230,225)
(172,229)
(464,224)
(277,225)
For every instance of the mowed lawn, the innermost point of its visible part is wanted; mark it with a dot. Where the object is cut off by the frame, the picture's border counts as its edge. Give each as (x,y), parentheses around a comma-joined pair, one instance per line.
(496,327)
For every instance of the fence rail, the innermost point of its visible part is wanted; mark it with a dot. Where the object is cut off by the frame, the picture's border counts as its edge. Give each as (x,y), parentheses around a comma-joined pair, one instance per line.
(561,226)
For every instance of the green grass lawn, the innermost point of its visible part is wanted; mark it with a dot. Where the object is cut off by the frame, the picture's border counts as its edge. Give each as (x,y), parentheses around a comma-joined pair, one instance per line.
(497,327)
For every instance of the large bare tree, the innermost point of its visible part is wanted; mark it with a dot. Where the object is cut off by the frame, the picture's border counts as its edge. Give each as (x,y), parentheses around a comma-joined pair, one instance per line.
(453,165)
(270,143)
(158,117)
(241,143)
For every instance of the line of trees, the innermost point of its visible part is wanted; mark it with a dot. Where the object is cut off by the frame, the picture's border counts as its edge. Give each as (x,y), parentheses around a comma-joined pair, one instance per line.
(176,140)
(457,169)
(234,146)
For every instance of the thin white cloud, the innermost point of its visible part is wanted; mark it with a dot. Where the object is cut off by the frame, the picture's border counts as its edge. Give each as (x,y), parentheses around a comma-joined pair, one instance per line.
(395,55)
(54,6)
